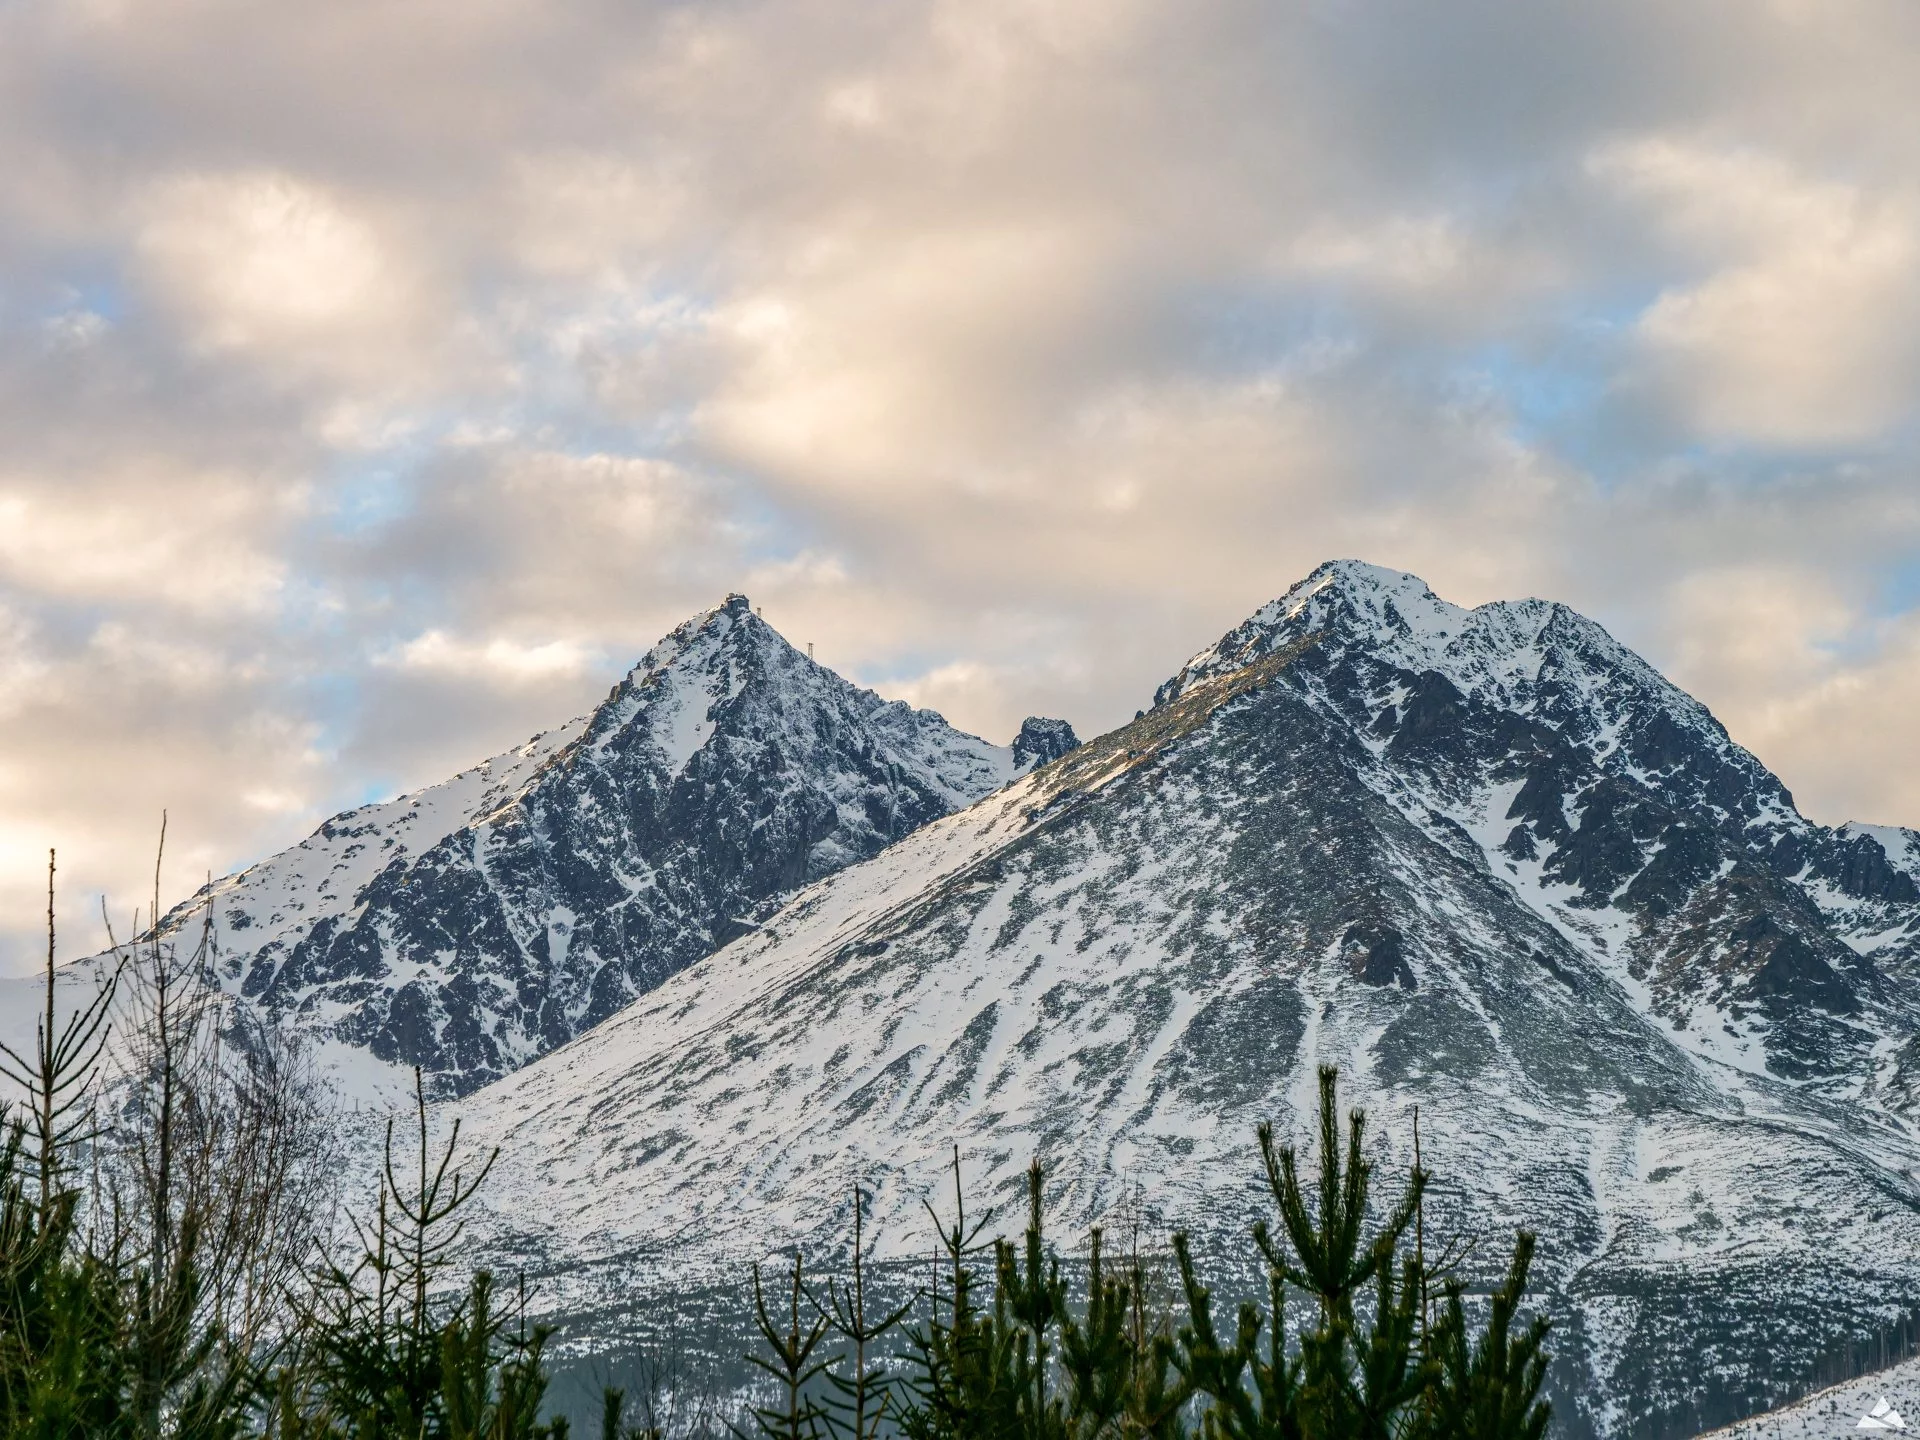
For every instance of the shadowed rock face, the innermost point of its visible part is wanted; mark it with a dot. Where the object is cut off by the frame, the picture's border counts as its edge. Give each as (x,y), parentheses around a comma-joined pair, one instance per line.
(1487,861)
(470,927)
(1593,785)
(1042,740)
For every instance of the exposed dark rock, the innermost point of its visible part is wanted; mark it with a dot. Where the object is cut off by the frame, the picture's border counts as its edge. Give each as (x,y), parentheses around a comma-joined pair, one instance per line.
(1859,866)
(1786,972)
(1687,856)
(1041,740)
(1519,844)
(1377,955)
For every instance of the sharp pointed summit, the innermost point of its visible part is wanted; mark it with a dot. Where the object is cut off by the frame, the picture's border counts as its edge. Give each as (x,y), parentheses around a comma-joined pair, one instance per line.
(471,926)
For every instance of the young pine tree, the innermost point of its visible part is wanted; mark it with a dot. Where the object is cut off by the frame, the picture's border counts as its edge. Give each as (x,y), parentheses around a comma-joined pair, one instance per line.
(1489,1390)
(796,1415)
(387,1351)
(1362,1361)
(858,1402)
(62,1371)
(1035,1301)
(1098,1352)
(966,1385)
(1373,1372)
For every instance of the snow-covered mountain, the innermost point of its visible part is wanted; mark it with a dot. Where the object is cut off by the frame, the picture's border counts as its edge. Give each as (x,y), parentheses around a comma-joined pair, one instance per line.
(1487,860)
(473,925)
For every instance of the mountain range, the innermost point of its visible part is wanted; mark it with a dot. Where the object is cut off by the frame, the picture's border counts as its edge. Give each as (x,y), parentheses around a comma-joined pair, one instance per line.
(1488,861)
(747,936)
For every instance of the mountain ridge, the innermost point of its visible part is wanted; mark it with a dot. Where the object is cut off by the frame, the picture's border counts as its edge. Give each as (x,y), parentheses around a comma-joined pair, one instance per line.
(471,925)
(1303,852)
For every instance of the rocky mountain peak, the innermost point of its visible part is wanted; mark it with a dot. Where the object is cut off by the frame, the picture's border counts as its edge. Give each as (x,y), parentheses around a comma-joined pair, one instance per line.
(1394,619)
(1592,780)
(473,925)
(1486,859)
(1041,740)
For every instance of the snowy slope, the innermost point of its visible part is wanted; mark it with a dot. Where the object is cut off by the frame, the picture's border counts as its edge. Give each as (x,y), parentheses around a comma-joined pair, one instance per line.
(1488,861)
(1839,1409)
(473,925)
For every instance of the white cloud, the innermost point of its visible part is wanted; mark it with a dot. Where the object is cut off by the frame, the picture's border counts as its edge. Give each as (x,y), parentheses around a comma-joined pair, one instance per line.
(1801,330)
(148,536)
(285,272)
(513,662)
(1404,249)
(357,427)
(1809,679)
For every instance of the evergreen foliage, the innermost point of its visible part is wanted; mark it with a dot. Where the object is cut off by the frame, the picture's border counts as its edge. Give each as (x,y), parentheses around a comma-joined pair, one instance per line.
(59,1077)
(103,1330)
(149,1268)
(798,1415)
(146,1290)
(61,1366)
(860,1390)
(384,1352)
(1491,1389)
(1366,1359)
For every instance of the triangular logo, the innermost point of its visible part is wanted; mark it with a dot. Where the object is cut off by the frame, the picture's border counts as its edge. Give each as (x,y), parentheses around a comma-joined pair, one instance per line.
(1882,1417)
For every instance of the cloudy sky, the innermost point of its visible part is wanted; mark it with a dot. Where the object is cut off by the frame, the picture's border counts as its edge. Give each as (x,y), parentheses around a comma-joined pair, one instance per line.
(377,380)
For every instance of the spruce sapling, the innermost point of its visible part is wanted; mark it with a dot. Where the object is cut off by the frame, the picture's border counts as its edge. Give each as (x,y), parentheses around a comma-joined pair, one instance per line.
(1099,1353)
(798,1416)
(1035,1298)
(1490,1391)
(859,1401)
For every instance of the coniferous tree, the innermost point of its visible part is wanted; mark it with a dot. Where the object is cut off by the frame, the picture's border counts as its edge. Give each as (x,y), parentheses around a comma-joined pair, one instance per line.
(1356,1384)
(613,1402)
(1350,1377)
(60,1076)
(1034,1299)
(1490,1390)
(61,1361)
(161,1318)
(385,1353)
(857,1402)
(1097,1351)
(966,1383)
(492,1378)
(1362,1363)
(797,1415)
(1250,1397)
(60,1357)
(104,1332)
(1157,1395)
